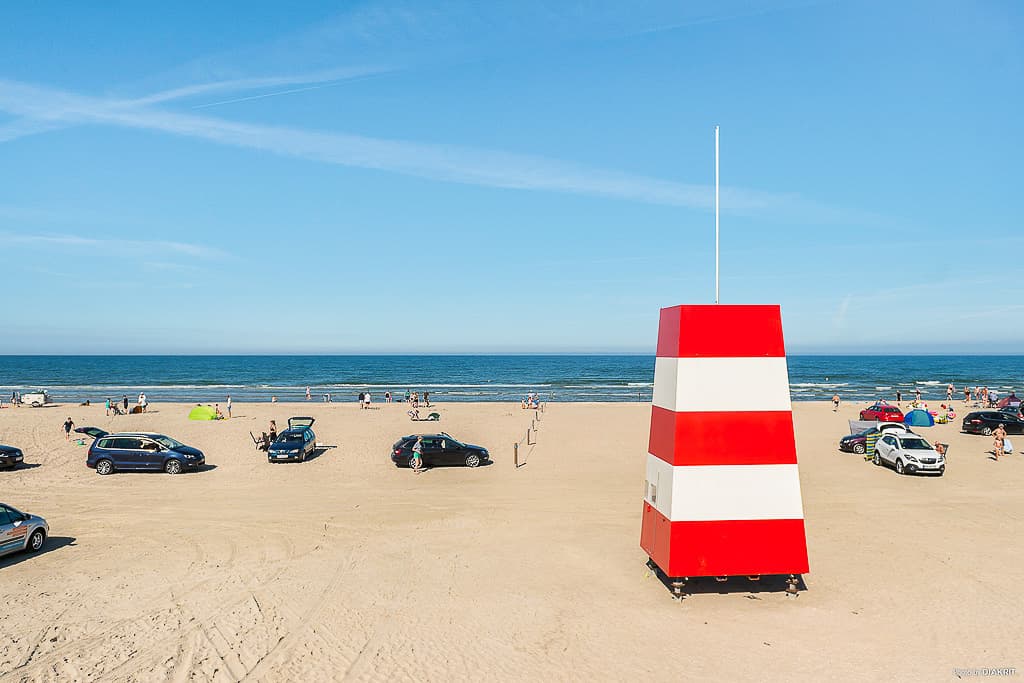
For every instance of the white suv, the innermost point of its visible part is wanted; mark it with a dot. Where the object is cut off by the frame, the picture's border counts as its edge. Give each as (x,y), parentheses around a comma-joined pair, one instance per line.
(909,453)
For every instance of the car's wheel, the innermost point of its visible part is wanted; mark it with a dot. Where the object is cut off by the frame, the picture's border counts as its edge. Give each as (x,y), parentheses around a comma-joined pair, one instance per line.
(877,459)
(472,460)
(862,416)
(859,448)
(36,540)
(986,431)
(36,404)
(899,466)
(104,467)
(172,466)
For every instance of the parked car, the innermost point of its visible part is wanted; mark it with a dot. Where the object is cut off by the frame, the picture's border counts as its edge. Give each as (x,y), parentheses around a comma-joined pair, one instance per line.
(985,421)
(295,443)
(35,398)
(1017,410)
(882,412)
(908,453)
(21,531)
(94,432)
(142,451)
(857,443)
(10,457)
(439,449)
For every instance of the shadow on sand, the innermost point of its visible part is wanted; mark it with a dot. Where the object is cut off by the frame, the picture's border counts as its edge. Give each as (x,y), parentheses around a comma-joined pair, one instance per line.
(52,543)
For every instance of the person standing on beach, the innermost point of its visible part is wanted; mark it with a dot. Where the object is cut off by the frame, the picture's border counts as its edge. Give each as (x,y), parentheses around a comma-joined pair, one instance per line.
(309,397)
(426,398)
(124,400)
(273,430)
(407,394)
(835,402)
(229,406)
(417,455)
(366,400)
(998,440)
(967,393)
(69,424)
(899,397)
(143,403)
(949,392)
(106,406)
(387,397)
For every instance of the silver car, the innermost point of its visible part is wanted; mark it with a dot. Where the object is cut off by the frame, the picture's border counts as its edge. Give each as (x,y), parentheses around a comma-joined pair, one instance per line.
(909,453)
(21,531)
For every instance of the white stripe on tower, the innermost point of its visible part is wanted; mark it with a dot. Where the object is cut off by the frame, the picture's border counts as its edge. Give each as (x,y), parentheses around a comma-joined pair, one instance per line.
(721,384)
(692,493)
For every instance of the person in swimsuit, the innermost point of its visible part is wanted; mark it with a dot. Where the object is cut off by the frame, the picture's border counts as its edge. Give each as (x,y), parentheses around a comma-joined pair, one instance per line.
(273,430)
(998,440)
(835,402)
(69,424)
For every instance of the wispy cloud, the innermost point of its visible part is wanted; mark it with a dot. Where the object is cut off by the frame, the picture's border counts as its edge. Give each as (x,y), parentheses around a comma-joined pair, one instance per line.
(318,79)
(154,247)
(447,163)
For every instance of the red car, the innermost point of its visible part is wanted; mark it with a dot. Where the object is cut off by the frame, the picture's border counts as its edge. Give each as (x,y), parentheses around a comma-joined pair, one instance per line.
(882,412)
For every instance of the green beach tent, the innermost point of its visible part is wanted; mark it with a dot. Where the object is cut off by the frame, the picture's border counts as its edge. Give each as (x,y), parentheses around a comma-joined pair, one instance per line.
(202,413)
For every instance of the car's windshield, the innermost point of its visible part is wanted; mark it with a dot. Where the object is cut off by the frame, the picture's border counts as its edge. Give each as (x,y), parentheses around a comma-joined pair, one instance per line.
(168,442)
(290,437)
(915,444)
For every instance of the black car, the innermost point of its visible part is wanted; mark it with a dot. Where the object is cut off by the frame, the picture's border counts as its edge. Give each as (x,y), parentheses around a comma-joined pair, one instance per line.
(439,449)
(10,457)
(985,421)
(1013,410)
(295,443)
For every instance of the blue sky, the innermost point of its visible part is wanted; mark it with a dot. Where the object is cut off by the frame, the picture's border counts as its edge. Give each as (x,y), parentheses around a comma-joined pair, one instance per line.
(520,177)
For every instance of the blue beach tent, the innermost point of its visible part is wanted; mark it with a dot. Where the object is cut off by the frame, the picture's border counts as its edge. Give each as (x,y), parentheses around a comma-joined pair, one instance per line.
(919,418)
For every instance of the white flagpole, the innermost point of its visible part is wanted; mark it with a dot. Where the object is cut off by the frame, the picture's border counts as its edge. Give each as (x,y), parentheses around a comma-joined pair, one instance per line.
(716,214)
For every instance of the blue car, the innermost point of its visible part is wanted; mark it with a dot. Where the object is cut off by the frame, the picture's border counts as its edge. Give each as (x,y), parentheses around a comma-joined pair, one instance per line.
(140,451)
(295,443)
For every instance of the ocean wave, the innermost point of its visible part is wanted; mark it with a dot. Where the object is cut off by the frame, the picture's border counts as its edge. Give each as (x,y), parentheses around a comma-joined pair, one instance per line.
(820,385)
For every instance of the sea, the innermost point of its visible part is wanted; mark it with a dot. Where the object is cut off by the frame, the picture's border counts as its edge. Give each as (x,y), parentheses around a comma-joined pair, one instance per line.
(618,378)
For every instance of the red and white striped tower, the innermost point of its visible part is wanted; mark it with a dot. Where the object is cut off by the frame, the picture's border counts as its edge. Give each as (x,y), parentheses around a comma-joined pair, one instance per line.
(723,491)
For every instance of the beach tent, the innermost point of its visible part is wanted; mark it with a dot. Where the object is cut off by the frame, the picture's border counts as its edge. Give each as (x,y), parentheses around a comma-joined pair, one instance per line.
(202,413)
(858,426)
(1008,401)
(919,418)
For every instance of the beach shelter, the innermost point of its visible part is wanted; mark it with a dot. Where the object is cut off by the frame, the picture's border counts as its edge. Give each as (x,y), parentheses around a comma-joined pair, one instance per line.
(919,418)
(202,413)
(1008,401)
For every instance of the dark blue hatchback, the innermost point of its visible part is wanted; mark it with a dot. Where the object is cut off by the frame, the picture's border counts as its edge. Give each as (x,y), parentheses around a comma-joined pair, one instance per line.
(139,451)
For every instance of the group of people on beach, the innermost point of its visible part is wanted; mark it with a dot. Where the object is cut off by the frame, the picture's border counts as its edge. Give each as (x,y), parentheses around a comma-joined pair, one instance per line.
(531,402)
(980,396)
(121,407)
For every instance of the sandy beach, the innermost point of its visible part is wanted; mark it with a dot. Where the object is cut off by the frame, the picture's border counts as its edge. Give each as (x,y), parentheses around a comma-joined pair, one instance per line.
(346,568)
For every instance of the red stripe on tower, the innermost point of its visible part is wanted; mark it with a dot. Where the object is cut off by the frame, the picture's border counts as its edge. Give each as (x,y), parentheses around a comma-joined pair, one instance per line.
(723,490)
